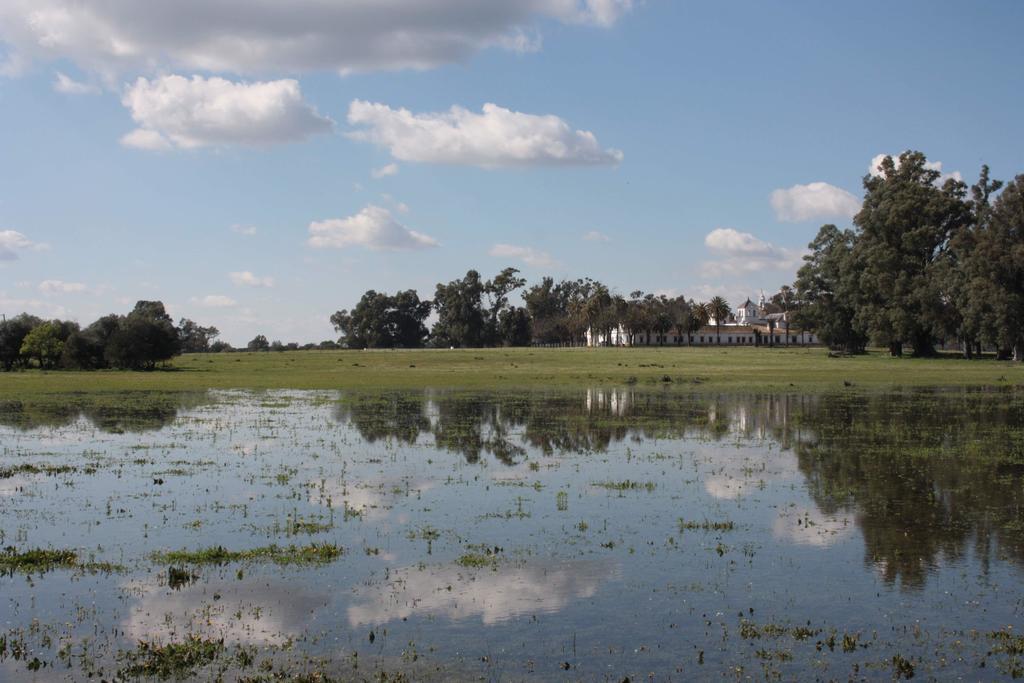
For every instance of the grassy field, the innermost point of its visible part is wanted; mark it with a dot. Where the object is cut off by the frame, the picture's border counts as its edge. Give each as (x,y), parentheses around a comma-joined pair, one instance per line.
(692,369)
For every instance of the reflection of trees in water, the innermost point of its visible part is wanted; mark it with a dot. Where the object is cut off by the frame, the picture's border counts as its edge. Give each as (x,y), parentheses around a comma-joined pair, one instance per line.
(927,476)
(114,413)
(475,424)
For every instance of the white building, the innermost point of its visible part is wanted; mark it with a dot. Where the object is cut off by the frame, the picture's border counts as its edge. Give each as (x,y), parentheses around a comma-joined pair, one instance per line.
(761,324)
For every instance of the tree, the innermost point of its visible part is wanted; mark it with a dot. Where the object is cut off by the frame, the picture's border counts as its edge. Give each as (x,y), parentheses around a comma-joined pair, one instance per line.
(969,283)
(460,315)
(718,308)
(258,343)
(996,284)
(547,303)
(497,291)
(195,338)
(12,335)
(381,321)
(826,289)
(663,318)
(699,316)
(145,337)
(785,298)
(514,327)
(904,225)
(44,344)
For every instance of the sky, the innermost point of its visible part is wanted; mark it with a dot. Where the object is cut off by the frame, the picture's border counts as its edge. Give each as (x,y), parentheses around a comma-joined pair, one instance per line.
(258,165)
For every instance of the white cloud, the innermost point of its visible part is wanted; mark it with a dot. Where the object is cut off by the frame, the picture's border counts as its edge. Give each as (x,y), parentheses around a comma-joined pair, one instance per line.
(741,252)
(595,236)
(115,36)
(384,171)
(61,287)
(495,138)
(42,308)
(69,86)
(247,279)
(174,111)
(814,200)
(214,301)
(876,161)
(735,242)
(527,255)
(373,227)
(247,230)
(12,242)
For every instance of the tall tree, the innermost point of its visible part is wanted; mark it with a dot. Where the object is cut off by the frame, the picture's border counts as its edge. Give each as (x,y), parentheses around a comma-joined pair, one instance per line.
(258,343)
(12,334)
(460,314)
(497,292)
(382,321)
(195,338)
(904,225)
(718,309)
(826,289)
(145,337)
(996,286)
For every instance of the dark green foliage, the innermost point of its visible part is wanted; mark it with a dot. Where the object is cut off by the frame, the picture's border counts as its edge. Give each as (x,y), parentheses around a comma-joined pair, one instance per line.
(718,308)
(460,312)
(258,343)
(514,327)
(382,321)
(12,335)
(145,337)
(195,338)
(43,344)
(905,225)
(826,288)
(993,301)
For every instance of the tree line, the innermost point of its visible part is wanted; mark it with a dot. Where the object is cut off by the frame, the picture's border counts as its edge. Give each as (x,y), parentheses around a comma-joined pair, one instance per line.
(139,340)
(926,260)
(473,312)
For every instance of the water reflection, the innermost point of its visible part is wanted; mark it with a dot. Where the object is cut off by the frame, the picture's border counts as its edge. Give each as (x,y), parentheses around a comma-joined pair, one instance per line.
(253,612)
(114,413)
(926,477)
(492,596)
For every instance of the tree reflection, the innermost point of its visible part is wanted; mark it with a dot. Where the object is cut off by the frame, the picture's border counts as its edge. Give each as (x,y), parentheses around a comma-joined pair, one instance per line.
(929,477)
(113,413)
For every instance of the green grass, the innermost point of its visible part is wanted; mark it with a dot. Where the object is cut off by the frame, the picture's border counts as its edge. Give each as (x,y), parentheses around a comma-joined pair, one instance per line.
(307,554)
(690,369)
(172,660)
(38,560)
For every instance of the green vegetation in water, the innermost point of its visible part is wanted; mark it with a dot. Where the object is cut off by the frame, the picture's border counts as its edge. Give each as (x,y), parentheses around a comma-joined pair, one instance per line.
(706,525)
(37,560)
(626,485)
(313,553)
(173,660)
(8,472)
(480,556)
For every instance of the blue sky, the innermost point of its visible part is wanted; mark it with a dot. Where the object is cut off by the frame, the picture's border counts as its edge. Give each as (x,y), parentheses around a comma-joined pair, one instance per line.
(236,181)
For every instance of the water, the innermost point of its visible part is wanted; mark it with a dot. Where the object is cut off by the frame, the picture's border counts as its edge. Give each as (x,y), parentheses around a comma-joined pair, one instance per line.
(566,535)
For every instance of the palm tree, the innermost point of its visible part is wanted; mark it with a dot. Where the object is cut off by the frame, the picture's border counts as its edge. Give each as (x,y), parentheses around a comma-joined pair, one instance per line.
(699,316)
(719,309)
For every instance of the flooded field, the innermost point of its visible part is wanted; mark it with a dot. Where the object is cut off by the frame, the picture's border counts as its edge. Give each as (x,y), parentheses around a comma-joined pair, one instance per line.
(587,535)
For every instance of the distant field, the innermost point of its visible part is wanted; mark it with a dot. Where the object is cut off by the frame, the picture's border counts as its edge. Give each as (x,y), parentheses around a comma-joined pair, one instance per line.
(700,369)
